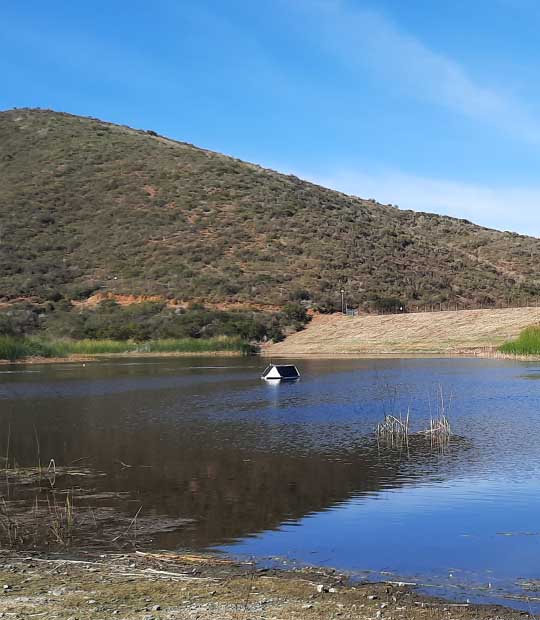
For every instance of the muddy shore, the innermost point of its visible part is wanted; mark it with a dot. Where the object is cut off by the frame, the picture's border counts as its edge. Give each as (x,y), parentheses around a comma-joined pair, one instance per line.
(157,586)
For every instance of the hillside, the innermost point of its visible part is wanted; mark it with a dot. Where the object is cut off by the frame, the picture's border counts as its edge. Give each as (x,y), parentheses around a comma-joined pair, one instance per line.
(465,331)
(87,206)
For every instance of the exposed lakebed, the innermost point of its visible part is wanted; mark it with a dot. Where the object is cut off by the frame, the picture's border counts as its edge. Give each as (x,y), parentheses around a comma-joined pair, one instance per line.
(206,455)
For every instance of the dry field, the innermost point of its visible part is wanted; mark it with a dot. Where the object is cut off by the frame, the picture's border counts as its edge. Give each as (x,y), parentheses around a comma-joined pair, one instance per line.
(473,332)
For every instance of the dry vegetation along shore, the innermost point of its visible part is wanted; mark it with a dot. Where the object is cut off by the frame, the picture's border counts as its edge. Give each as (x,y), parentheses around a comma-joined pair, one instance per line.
(159,586)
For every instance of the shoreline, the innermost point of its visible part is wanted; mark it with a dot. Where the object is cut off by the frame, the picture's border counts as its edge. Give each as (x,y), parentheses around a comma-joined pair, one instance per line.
(94,357)
(133,354)
(158,585)
(458,354)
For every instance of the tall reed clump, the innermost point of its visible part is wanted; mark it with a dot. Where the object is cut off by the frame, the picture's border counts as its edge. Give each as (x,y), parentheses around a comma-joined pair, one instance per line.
(528,343)
(12,348)
(393,430)
(439,430)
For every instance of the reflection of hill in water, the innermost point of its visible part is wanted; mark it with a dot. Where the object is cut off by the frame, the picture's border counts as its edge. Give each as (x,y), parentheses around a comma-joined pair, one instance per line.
(219,445)
(230,493)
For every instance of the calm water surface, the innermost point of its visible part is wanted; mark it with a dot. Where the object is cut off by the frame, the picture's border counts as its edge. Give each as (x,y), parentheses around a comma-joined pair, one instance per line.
(292,472)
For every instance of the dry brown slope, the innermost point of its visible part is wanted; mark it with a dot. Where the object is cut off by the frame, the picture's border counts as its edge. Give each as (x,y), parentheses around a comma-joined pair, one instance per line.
(438,332)
(89,207)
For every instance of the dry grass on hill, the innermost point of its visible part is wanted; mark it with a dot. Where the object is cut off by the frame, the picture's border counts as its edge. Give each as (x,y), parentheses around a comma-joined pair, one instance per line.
(468,331)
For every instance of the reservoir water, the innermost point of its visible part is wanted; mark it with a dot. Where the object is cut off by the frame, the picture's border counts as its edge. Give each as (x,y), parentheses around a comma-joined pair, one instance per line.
(292,473)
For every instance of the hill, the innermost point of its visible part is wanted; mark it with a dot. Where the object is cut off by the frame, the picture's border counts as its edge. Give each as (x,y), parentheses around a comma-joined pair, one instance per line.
(88,207)
(462,332)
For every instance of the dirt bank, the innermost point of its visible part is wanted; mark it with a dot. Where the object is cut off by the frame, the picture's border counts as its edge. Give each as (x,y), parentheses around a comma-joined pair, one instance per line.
(155,586)
(465,332)
(129,300)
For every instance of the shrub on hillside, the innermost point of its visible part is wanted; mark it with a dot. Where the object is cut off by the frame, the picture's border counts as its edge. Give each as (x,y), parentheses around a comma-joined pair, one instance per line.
(19,319)
(387,304)
(295,313)
(151,320)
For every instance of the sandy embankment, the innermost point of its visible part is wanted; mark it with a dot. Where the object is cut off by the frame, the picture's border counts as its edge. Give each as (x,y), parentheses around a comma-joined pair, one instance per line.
(465,332)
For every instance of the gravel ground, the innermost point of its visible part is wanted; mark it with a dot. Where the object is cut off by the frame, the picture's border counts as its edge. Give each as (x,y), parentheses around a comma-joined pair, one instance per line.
(157,586)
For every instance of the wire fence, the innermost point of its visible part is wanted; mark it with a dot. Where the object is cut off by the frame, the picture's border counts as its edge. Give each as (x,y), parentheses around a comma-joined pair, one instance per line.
(446,307)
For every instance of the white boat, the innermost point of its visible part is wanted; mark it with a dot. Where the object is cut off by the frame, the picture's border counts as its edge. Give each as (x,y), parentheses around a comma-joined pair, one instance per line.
(280,372)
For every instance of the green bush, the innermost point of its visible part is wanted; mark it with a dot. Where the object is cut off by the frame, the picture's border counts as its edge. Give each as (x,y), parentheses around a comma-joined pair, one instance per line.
(387,304)
(528,343)
(295,313)
(19,319)
(12,348)
(155,321)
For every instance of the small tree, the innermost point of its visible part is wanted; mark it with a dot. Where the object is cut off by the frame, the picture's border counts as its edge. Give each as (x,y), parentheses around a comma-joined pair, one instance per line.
(295,313)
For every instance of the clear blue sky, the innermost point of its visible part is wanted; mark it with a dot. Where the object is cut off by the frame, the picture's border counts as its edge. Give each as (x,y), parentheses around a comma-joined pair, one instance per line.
(431,105)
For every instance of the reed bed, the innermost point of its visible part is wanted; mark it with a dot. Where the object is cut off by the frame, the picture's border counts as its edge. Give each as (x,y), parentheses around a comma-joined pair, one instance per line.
(97,347)
(195,345)
(12,348)
(16,348)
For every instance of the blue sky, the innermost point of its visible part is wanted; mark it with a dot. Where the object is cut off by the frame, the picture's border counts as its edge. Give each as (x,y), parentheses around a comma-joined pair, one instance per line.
(430,105)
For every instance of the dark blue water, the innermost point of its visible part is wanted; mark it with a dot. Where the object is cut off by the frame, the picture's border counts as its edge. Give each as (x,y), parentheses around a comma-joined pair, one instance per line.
(293,472)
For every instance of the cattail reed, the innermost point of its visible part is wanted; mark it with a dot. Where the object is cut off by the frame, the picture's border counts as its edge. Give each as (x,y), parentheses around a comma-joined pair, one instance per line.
(394,431)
